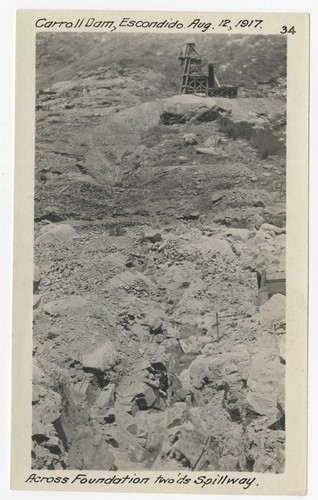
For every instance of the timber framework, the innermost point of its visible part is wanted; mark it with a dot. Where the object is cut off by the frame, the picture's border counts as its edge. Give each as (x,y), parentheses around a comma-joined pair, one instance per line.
(193,81)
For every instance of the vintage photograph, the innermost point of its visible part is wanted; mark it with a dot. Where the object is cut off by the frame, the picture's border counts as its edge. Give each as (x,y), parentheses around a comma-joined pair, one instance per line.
(159,282)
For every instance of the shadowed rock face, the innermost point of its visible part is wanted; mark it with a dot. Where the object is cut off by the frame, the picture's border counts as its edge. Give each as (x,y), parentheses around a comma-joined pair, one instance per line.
(152,214)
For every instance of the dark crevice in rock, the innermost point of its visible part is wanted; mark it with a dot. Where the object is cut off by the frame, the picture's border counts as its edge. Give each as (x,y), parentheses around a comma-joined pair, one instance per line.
(60,432)
(250,464)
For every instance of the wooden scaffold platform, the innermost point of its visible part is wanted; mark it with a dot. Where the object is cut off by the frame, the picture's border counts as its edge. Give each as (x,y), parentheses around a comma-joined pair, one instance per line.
(193,81)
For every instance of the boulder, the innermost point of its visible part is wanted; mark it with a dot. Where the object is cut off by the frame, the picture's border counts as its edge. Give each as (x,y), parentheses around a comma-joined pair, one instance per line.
(137,396)
(152,236)
(87,390)
(154,323)
(190,446)
(208,151)
(106,398)
(149,429)
(138,118)
(189,345)
(48,405)
(64,305)
(216,197)
(209,348)
(195,417)
(238,234)
(180,394)
(265,384)
(143,365)
(176,415)
(184,378)
(182,108)
(101,359)
(172,332)
(63,233)
(273,310)
(261,237)
(204,340)
(189,140)
(208,325)
(270,227)
(216,370)
(148,421)
(46,431)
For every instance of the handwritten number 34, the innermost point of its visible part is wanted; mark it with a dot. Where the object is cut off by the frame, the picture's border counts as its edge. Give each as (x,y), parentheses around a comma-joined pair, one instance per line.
(286,30)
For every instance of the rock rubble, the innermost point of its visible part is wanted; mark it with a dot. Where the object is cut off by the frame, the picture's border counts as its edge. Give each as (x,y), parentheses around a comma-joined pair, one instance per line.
(150,223)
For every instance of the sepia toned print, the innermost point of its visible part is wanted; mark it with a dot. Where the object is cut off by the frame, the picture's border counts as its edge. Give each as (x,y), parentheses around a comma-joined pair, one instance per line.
(161,256)
(160,214)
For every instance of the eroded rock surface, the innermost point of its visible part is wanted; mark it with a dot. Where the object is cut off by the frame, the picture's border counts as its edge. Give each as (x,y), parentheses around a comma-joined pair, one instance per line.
(151,218)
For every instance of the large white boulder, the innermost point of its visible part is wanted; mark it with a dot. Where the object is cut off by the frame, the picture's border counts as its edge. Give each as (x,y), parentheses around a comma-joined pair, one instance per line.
(63,233)
(273,310)
(265,384)
(101,359)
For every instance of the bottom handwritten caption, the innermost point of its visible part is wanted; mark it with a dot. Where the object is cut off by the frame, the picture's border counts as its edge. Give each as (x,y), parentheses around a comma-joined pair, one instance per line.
(200,481)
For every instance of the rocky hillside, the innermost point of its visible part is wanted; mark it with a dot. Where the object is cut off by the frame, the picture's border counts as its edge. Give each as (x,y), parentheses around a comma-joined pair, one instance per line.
(152,213)
(240,60)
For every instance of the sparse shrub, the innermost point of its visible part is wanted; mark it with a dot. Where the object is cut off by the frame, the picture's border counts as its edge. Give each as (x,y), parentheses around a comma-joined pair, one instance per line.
(277,122)
(267,144)
(238,130)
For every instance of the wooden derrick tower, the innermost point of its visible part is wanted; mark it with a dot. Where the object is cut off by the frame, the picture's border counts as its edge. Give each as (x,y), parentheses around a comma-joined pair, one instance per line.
(194,81)
(191,67)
